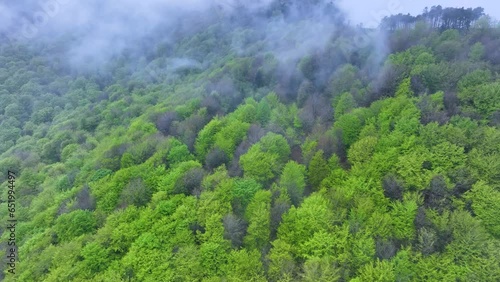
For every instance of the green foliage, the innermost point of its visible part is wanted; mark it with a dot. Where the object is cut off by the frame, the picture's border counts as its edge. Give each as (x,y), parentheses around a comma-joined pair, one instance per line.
(425,58)
(448,50)
(308,150)
(359,167)
(213,256)
(67,151)
(483,159)
(168,181)
(363,250)
(63,184)
(362,150)
(380,271)
(246,112)
(266,158)
(320,269)
(399,111)
(10,164)
(263,112)
(231,136)
(73,224)
(412,167)
(475,78)
(317,170)
(187,109)
(187,264)
(96,257)
(100,173)
(482,100)
(127,160)
(403,215)
(345,104)
(143,261)
(245,266)
(285,117)
(294,181)
(486,205)
(409,57)
(344,80)
(244,190)
(446,156)
(300,224)
(135,193)
(206,137)
(404,89)
(178,153)
(141,127)
(476,53)
(350,127)
(282,264)
(258,214)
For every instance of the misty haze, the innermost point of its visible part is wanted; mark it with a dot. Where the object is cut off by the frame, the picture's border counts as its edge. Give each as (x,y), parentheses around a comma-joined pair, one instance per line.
(270,140)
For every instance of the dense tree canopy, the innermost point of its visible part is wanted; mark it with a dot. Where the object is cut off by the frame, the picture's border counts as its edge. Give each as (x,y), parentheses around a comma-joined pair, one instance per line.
(287,153)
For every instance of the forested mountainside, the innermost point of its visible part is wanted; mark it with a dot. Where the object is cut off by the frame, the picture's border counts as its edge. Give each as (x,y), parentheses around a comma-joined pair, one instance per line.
(269,143)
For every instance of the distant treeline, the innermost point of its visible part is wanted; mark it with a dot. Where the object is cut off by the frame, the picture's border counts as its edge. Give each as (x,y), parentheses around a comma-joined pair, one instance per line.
(437,17)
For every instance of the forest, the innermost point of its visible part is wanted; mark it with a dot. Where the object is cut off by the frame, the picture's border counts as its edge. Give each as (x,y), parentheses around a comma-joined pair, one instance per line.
(270,142)
(437,17)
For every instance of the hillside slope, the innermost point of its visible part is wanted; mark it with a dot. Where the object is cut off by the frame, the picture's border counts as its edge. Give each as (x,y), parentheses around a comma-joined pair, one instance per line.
(268,145)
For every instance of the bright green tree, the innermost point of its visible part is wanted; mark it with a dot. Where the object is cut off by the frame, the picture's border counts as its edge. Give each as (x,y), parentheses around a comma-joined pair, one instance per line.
(294,181)
(258,214)
(317,170)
